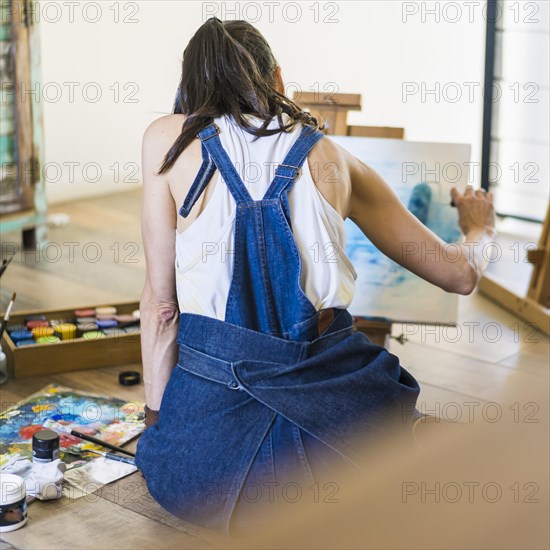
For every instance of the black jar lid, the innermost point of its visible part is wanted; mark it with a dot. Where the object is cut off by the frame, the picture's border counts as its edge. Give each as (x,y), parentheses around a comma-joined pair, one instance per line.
(45,440)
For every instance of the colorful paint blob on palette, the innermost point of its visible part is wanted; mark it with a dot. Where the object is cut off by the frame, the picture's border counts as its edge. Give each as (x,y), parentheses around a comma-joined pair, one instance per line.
(110,419)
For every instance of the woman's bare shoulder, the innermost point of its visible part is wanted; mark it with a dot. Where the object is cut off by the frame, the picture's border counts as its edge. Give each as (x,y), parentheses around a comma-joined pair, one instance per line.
(329,165)
(163,129)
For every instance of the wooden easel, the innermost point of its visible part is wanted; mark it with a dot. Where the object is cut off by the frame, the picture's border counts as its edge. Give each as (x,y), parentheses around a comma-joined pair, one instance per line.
(534,307)
(334,108)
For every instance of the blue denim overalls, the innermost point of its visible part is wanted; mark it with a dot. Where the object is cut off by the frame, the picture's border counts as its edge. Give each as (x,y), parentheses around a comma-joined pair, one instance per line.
(261,401)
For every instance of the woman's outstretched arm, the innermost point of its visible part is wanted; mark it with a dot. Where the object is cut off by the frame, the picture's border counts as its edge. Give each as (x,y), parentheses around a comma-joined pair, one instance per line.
(158,305)
(376,209)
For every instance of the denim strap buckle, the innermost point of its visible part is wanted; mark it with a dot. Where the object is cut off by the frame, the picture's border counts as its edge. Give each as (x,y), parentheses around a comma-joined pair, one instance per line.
(209,134)
(297,171)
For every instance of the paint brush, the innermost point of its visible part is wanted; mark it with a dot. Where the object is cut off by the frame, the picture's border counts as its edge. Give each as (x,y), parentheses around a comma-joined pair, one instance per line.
(7,316)
(97,441)
(57,427)
(112,456)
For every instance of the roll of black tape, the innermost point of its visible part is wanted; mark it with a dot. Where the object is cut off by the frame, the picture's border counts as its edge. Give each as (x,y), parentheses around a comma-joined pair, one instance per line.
(129,378)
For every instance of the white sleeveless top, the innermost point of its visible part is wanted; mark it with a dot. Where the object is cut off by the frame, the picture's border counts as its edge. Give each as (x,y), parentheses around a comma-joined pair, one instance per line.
(204,250)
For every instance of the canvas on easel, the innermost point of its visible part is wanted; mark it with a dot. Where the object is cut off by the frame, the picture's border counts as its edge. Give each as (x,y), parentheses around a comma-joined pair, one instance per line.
(413,169)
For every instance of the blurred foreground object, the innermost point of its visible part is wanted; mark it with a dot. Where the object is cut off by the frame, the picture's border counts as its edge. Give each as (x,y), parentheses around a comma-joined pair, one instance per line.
(480,484)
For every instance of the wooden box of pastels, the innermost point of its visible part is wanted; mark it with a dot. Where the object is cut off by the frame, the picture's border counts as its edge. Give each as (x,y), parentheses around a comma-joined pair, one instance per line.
(60,340)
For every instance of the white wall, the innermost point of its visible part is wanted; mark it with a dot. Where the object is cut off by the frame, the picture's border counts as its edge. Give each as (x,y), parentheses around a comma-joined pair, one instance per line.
(370,47)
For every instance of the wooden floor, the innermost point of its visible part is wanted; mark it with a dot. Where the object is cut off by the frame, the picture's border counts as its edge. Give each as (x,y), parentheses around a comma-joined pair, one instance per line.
(495,359)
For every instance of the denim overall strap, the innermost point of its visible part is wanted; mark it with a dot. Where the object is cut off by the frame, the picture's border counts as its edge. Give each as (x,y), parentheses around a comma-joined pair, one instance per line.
(285,173)
(265,293)
(291,167)
(211,142)
(289,170)
(202,179)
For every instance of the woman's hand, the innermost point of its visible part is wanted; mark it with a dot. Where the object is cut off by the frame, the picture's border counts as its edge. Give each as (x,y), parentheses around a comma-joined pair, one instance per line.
(476,211)
(476,218)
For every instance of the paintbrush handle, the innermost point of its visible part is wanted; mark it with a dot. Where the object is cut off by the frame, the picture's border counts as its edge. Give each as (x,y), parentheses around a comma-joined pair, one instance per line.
(112,456)
(7,316)
(118,458)
(97,441)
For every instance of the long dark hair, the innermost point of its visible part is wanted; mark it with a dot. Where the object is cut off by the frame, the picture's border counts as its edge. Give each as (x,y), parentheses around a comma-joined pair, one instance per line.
(228,68)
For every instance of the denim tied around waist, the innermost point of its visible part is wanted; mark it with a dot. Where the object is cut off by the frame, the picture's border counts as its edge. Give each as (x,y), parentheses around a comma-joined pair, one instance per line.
(198,335)
(279,373)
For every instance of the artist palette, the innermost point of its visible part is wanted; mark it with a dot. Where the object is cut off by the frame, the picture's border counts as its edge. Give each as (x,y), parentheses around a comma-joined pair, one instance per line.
(41,342)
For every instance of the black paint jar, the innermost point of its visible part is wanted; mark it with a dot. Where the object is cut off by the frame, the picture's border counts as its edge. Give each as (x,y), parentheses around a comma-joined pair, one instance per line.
(45,446)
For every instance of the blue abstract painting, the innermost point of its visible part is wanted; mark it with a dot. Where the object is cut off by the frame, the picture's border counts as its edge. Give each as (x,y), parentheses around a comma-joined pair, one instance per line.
(422,175)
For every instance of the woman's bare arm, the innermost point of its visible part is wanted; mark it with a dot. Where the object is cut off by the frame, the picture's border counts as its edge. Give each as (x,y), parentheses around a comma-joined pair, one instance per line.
(158,305)
(376,209)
